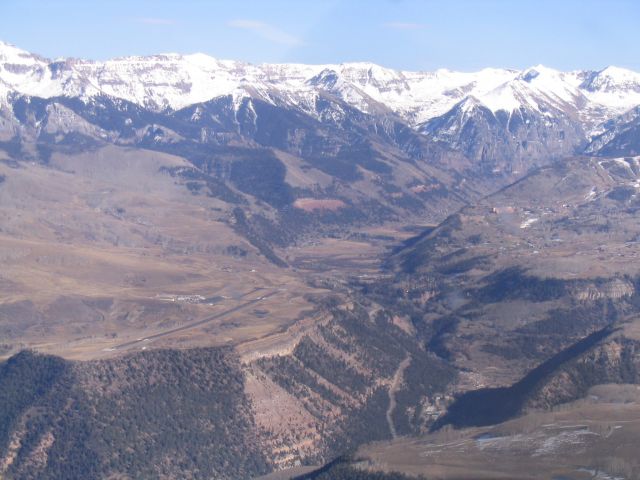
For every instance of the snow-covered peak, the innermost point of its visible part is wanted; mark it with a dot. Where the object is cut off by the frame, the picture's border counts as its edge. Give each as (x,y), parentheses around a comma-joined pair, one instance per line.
(532,73)
(327,79)
(615,90)
(537,88)
(612,79)
(365,73)
(542,85)
(25,72)
(507,97)
(469,105)
(11,54)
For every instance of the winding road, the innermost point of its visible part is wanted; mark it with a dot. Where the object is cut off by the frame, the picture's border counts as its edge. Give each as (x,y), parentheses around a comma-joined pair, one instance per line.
(395,386)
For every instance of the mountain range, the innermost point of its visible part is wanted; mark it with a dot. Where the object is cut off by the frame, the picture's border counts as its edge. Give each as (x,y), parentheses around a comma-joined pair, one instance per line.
(173,81)
(442,103)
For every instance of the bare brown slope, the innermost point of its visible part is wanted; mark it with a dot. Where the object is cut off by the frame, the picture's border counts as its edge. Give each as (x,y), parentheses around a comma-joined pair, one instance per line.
(104,247)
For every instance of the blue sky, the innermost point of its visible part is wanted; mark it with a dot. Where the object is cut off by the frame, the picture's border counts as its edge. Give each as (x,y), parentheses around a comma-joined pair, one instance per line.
(408,34)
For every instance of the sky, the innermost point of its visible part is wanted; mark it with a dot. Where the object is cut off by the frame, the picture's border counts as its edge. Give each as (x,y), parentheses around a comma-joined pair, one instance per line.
(404,34)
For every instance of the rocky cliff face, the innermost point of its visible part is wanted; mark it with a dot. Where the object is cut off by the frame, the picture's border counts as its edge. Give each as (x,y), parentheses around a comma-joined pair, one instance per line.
(620,136)
(507,142)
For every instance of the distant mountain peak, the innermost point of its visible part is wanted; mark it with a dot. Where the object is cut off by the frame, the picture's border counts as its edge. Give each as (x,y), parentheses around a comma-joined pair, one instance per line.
(613,78)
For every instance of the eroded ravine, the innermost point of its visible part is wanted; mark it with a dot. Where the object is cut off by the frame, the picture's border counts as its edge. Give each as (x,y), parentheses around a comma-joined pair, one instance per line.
(396,383)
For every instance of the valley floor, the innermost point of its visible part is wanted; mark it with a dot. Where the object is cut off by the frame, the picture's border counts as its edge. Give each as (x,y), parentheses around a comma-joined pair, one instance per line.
(594,438)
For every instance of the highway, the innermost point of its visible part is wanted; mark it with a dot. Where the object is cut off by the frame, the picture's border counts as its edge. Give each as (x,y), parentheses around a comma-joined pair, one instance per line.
(197,323)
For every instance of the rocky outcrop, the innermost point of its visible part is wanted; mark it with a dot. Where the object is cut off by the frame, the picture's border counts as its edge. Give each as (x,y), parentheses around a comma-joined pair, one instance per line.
(612,289)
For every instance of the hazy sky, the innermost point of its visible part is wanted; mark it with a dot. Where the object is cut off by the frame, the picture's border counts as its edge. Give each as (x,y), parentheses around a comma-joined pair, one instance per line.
(407,34)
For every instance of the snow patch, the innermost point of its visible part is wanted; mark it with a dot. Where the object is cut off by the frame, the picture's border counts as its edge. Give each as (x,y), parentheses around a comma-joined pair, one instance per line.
(528,222)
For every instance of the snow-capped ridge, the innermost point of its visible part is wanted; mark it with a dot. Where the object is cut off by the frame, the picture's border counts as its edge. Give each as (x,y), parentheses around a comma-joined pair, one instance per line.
(173,81)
